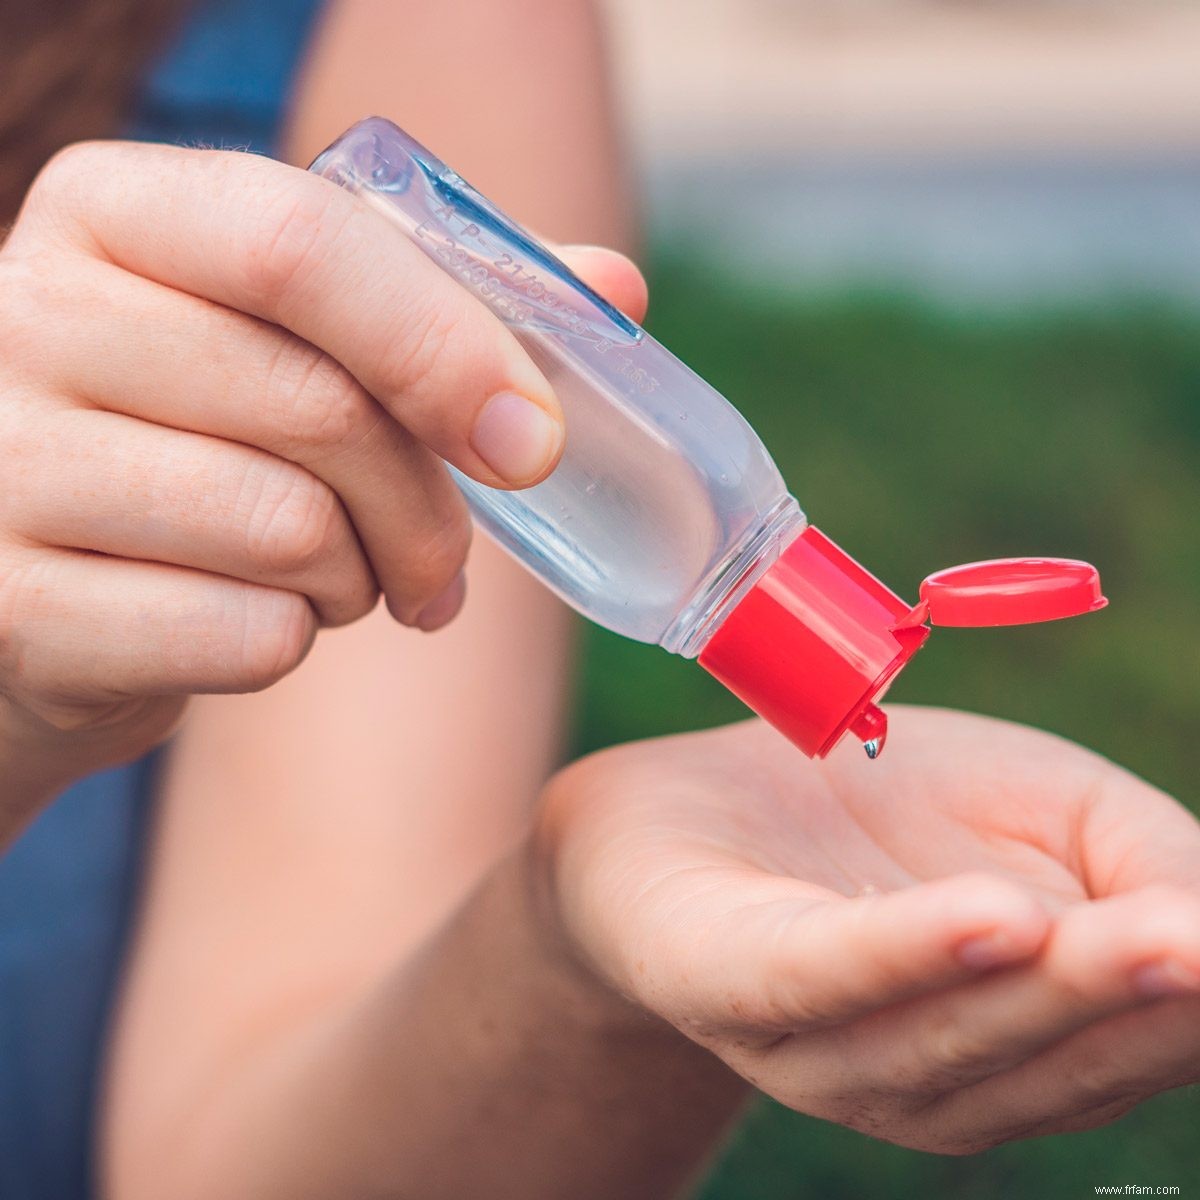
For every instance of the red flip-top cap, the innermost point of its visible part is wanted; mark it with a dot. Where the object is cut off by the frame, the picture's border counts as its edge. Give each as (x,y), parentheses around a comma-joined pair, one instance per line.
(1010,591)
(813,643)
(817,640)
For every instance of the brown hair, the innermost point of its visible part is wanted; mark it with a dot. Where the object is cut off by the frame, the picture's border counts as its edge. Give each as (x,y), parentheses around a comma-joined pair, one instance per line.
(68,70)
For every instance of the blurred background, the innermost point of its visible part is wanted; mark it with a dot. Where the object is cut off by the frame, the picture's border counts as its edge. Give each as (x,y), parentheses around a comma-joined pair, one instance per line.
(946,258)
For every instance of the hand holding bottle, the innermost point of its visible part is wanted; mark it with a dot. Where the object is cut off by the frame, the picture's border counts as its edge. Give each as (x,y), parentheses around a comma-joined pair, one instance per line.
(989,934)
(226,391)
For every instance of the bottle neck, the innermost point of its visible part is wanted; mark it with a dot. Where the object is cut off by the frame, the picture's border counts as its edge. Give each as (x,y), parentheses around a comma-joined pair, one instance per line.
(748,559)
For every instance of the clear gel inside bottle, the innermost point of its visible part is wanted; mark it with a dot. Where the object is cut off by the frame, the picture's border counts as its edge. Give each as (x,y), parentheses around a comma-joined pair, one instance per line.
(665,503)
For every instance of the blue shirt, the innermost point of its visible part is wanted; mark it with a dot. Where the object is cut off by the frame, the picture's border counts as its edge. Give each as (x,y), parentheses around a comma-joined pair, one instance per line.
(68,886)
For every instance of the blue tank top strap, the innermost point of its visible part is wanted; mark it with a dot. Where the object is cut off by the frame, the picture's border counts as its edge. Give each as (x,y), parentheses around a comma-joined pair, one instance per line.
(67,887)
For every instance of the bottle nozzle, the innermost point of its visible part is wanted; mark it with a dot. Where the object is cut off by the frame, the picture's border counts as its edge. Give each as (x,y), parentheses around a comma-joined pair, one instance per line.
(870,727)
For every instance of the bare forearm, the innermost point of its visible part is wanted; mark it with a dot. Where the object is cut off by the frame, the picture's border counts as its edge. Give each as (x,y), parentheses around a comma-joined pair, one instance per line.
(487,1066)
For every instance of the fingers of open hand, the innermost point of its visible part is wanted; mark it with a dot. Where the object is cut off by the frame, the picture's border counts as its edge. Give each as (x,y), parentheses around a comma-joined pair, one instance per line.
(298,251)
(987,1061)
(764,958)
(1101,1072)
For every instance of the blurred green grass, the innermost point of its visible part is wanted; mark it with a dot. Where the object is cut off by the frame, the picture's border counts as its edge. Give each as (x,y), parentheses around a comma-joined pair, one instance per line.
(919,438)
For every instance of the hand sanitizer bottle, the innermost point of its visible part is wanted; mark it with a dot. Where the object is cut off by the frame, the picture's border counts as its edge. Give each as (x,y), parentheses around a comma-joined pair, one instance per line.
(666,519)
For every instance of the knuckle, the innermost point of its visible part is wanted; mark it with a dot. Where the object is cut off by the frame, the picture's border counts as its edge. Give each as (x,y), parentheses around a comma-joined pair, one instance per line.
(294,521)
(360,600)
(25,301)
(439,556)
(357,595)
(1092,1079)
(278,629)
(29,586)
(289,240)
(444,551)
(21,286)
(54,202)
(33,292)
(951,1055)
(420,344)
(320,406)
(62,173)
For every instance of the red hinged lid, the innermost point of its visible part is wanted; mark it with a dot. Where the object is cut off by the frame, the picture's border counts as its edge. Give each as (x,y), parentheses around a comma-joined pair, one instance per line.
(814,644)
(1008,591)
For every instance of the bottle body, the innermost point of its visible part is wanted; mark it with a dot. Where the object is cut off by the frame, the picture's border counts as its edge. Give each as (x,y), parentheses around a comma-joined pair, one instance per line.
(665,507)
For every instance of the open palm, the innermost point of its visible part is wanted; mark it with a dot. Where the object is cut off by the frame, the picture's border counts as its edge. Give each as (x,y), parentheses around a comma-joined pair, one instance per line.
(987,934)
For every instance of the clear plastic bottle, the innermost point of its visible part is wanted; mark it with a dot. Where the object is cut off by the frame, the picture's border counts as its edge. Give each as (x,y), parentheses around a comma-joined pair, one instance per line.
(666,514)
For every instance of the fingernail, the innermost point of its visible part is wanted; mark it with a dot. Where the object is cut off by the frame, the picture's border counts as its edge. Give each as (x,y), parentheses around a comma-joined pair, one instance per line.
(443,606)
(516,438)
(987,950)
(1167,977)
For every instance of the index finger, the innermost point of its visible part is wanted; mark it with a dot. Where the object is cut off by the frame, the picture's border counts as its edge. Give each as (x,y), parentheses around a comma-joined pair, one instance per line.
(292,248)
